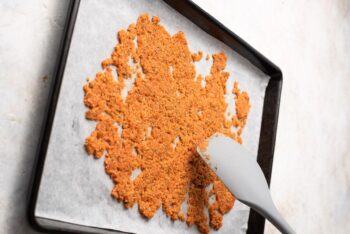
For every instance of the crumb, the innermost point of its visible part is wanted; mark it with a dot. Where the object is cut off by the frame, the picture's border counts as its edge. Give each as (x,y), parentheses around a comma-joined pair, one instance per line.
(203,145)
(182,217)
(167,99)
(106,63)
(155,19)
(242,106)
(207,57)
(197,56)
(45,78)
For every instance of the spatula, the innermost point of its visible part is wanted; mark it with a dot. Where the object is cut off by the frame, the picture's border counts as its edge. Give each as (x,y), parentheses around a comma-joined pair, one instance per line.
(241,174)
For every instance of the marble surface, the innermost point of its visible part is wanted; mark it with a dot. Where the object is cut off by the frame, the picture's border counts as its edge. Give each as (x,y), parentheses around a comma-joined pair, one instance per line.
(310,41)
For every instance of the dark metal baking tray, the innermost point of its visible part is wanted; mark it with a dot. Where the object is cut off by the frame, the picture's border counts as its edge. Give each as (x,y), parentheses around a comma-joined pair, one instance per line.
(214,28)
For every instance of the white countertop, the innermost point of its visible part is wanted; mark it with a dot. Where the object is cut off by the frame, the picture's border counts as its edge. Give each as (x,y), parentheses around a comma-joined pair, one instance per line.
(309,41)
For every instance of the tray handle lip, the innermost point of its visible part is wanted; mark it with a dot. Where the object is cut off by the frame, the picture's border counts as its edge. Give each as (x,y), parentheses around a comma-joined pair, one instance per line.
(49,114)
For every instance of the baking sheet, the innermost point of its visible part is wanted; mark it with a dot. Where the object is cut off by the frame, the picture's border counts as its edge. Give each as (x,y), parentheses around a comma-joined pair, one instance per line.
(74,187)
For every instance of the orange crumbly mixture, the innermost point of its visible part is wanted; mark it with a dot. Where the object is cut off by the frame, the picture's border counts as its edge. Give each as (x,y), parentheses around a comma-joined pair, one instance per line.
(165,115)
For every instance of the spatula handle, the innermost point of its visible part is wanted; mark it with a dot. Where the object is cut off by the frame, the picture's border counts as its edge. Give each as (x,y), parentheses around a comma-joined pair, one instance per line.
(271,213)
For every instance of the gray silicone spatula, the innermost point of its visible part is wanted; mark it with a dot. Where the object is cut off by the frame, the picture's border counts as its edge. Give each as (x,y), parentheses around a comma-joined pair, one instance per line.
(242,175)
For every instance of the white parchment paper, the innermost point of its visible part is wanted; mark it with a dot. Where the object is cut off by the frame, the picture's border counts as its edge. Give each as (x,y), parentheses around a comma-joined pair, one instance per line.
(74,186)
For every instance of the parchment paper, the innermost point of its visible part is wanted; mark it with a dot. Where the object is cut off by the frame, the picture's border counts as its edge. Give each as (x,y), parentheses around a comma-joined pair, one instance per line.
(74,186)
